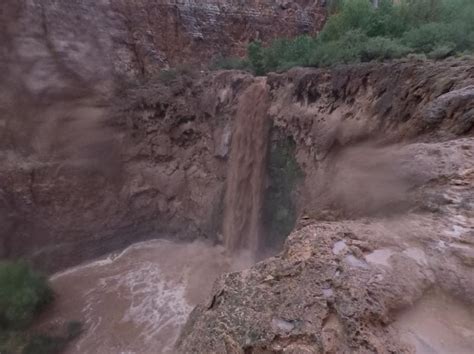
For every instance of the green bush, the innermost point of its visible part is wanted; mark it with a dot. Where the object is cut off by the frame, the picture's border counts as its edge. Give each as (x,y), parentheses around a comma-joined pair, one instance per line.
(357,31)
(426,37)
(334,53)
(23,293)
(441,52)
(380,48)
(256,58)
(355,46)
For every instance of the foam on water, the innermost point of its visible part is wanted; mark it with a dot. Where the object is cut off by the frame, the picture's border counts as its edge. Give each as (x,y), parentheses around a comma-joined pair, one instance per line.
(136,301)
(155,302)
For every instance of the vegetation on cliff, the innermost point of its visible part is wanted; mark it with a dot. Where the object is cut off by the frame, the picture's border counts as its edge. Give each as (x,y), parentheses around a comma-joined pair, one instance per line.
(279,211)
(357,31)
(23,294)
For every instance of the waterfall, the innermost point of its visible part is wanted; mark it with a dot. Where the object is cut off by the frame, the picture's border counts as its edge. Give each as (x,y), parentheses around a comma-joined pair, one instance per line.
(246,171)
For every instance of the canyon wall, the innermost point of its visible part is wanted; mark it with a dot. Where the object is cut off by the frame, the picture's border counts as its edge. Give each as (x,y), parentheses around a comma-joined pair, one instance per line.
(168,32)
(151,161)
(385,235)
(98,39)
(65,192)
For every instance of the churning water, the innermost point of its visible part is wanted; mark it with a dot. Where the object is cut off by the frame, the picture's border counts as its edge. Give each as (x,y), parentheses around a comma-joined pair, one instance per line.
(136,301)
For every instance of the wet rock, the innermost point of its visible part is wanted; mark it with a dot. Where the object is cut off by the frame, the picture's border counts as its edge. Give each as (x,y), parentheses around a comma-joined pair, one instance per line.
(222,138)
(448,104)
(261,315)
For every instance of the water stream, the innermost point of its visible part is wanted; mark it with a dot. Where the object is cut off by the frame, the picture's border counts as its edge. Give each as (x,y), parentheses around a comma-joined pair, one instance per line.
(136,301)
(246,172)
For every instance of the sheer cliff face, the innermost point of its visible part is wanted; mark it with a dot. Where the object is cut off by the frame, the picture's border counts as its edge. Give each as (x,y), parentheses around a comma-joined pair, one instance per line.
(59,63)
(170,32)
(154,162)
(141,36)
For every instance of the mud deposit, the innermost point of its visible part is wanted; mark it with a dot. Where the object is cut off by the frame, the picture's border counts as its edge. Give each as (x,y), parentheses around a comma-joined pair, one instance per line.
(136,301)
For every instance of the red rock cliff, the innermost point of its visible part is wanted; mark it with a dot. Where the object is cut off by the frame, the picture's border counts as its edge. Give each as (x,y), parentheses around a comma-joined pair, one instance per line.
(175,31)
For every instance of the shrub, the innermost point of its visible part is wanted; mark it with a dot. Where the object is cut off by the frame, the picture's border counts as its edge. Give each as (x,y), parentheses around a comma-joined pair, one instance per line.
(380,48)
(388,20)
(425,38)
(256,58)
(442,51)
(355,46)
(417,56)
(333,53)
(357,31)
(23,293)
(334,6)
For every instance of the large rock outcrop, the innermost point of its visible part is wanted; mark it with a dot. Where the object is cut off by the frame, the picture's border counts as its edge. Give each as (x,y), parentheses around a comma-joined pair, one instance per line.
(386,216)
(349,285)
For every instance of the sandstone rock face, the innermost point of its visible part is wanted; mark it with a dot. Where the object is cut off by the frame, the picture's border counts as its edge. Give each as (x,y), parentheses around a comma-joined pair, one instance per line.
(386,214)
(99,174)
(385,207)
(171,32)
(341,117)
(346,286)
(152,166)
(139,37)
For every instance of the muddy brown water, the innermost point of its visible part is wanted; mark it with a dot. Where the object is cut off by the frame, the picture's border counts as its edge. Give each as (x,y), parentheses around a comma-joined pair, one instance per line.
(136,301)
(246,172)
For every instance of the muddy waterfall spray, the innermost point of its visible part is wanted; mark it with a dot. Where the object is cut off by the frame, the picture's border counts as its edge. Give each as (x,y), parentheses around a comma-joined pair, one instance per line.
(246,173)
